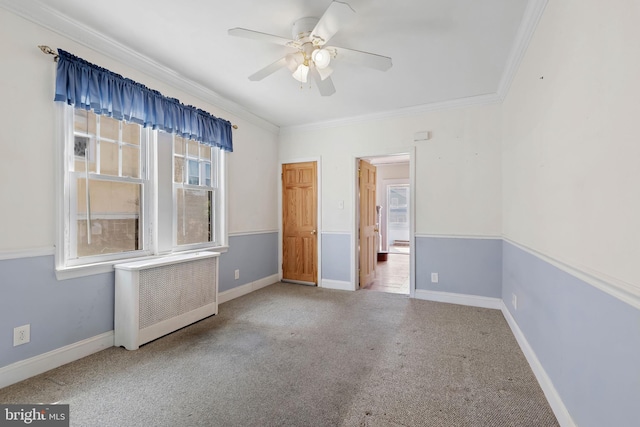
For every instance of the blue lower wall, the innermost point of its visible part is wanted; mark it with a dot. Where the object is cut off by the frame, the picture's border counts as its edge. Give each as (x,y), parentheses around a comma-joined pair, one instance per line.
(336,257)
(587,341)
(466,266)
(255,255)
(60,312)
(64,312)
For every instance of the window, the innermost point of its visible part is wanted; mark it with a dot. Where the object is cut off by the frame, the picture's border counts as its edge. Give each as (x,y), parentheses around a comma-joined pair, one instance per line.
(194,191)
(113,208)
(398,197)
(107,185)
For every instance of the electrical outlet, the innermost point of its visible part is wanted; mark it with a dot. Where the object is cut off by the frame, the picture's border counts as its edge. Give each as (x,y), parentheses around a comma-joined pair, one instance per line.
(514,301)
(434,277)
(21,335)
(237,274)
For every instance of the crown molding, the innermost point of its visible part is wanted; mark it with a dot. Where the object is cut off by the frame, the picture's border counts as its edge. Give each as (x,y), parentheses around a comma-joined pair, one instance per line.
(48,18)
(400,112)
(528,25)
(530,19)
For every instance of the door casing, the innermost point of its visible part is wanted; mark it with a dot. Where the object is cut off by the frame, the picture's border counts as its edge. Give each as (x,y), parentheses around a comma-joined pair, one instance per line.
(411,151)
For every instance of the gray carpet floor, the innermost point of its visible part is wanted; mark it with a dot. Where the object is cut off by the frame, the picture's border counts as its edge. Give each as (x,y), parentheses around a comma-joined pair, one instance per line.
(292,355)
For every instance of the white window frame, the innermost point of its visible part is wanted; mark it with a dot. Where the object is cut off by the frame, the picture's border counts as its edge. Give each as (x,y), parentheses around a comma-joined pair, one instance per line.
(66,267)
(217,179)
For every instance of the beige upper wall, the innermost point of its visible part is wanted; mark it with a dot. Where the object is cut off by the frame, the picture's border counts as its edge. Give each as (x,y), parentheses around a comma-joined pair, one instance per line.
(458,188)
(253,173)
(26,149)
(27,81)
(568,169)
(571,152)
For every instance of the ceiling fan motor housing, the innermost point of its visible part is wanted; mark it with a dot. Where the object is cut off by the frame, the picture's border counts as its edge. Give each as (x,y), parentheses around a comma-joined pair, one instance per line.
(302,28)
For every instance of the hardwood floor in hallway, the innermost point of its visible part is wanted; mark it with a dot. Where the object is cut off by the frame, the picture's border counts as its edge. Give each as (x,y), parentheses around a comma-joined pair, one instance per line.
(392,275)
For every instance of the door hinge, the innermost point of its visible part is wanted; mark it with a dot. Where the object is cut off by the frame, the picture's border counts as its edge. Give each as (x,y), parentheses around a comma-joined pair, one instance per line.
(359,173)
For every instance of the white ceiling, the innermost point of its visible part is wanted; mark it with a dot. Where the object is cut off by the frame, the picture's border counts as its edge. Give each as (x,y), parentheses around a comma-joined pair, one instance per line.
(442,50)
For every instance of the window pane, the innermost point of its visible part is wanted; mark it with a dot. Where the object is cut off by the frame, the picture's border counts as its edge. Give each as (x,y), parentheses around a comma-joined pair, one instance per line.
(108,158)
(194,218)
(130,161)
(84,121)
(193,148)
(206,174)
(194,173)
(84,147)
(109,128)
(178,145)
(115,218)
(398,205)
(131,133)
(205,152)
(178,169)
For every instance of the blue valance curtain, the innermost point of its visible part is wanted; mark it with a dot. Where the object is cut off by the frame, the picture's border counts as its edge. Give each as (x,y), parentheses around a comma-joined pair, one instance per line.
(85,85)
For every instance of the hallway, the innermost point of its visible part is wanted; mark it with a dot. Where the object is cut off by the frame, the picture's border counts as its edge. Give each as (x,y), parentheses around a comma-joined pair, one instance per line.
(392,276)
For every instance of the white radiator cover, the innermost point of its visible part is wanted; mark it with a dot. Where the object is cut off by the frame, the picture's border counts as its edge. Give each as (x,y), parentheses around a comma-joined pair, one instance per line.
(158,296)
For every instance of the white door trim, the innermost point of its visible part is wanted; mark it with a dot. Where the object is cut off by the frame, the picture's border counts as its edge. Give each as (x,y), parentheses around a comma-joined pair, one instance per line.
(383,152)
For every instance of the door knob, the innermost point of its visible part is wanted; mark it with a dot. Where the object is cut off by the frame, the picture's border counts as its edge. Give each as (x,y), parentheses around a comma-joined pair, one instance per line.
(376,229)
(313,231)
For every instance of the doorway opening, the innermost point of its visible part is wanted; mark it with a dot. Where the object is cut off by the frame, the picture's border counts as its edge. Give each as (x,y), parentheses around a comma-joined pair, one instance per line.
(392,262)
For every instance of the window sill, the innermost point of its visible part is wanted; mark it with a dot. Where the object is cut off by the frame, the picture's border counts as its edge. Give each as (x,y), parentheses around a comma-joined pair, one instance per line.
(74,272)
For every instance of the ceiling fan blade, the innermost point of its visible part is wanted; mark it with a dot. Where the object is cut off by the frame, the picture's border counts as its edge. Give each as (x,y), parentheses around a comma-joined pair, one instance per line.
(257,35)
(268,70)
(325,72)
(337,15)
(325,86)
(371,60)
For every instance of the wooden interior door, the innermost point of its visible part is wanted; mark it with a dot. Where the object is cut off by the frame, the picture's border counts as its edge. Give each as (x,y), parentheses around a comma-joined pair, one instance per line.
(368,228)
(299,222)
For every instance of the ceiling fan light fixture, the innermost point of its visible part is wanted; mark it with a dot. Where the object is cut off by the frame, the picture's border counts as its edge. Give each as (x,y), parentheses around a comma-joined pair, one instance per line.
(301,73)
(321,57)
(293,60)
(312,54)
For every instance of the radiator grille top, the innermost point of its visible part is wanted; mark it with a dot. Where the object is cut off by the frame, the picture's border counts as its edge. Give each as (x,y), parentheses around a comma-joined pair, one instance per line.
(171,290)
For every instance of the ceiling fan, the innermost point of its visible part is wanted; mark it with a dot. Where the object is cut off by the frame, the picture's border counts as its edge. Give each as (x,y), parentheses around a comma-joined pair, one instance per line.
(312,55)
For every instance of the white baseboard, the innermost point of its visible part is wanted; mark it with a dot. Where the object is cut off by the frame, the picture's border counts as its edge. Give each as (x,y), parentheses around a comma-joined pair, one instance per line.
(28,368)
(33,366)
(247,288)
(550,392)
(336,284)
(461,299)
